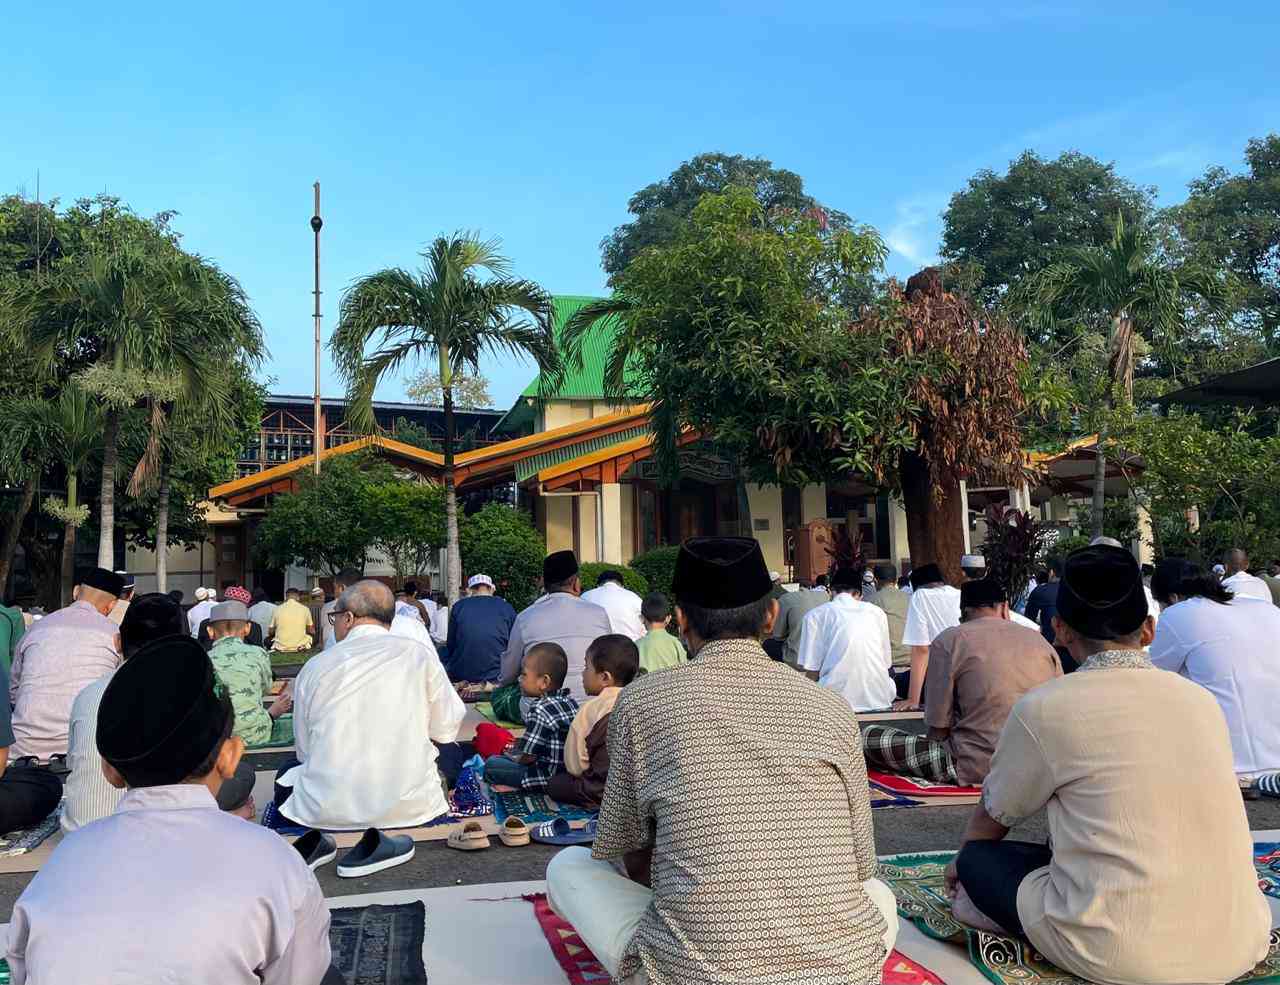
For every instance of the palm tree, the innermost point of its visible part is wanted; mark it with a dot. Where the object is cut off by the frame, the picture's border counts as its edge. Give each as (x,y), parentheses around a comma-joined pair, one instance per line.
(1130,287)
(447,313)
(158,321)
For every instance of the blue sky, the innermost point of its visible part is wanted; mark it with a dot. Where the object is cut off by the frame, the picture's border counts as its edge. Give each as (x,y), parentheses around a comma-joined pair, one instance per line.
(536,122)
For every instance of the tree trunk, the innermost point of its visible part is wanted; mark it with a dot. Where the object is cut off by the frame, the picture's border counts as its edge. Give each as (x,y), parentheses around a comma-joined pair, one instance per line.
(453,553)
(1100,483)
(934,527)
(68,562)
(14,531)
(162,527)
(107,511)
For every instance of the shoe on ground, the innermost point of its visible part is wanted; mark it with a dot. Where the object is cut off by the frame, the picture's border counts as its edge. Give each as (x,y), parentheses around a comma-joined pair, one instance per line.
(469,838)
(514,832)
(374,852)
(316,849)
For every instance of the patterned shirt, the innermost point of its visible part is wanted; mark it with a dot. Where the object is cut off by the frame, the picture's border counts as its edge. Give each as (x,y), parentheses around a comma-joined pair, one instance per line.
(548,720)
(695,750)
(58,657)
(245,671)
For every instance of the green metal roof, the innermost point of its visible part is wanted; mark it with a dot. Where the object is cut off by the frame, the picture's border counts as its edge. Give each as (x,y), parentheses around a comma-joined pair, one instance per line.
(529,467)
(586,383)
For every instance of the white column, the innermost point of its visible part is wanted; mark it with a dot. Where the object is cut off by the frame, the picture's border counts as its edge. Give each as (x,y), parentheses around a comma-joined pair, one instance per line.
(813,503)
(964,514)
(611,521)
(899,544)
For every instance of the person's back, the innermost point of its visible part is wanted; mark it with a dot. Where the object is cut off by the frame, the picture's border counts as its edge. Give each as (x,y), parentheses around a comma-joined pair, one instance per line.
(565,619)
(262,612)
(894,601)
(479,629)
(1042,605)
(622,604)
(1148,831)
(792,608)
(1230,649)
(245,671)
(56,659)
(293,626)
(659,650)
(12,628)
(846,645)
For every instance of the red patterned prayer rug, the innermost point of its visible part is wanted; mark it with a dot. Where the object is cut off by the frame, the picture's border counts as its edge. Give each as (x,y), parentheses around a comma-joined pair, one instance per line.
(910,786)
(583,969)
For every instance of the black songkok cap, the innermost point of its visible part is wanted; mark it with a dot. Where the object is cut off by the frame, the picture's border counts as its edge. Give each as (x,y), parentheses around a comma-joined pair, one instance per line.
(1100,595)
(160,716)
(982,591)
(926,574)
(150,617)
(721,573)
(103,580)
(559,567)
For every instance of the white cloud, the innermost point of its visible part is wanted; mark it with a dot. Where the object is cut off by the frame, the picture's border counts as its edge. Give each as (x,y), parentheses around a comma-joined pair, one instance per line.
(915,230)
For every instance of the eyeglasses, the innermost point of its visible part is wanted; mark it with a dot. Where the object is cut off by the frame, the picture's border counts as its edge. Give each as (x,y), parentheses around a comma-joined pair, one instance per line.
(333,616)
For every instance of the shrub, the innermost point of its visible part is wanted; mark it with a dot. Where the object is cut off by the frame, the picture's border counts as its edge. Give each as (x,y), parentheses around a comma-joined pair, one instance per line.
(501,542)
(589,574)
(658,567)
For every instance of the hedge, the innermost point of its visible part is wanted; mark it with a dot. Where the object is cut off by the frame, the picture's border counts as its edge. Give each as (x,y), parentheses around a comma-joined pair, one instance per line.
(658,567)
(590,572)
(500,542)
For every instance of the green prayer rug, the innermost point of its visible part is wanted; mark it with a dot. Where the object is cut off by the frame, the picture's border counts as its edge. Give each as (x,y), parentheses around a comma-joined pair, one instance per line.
(485,709)
(919,886)
(281,735)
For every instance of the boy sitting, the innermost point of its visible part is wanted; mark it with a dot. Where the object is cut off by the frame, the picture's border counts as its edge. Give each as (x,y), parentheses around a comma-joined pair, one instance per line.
(612,663)
(537,755)
(245,672)
(659,650)
(150,893)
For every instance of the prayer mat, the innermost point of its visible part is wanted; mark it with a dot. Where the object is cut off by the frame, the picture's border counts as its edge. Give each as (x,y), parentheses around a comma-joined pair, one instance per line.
(21,842)
(892,800)
(281,734)
(583,968)
(914,787)
(485,708)
(919,885)
(534,808)
(379,945)
(5,975)
(1266,857)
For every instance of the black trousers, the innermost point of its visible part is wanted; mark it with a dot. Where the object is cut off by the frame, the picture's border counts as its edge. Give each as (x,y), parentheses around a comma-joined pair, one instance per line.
(282,793)
(27,796)
(992,871)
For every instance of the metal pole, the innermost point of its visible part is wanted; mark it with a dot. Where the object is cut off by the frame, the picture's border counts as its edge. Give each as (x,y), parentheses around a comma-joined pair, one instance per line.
(316,223)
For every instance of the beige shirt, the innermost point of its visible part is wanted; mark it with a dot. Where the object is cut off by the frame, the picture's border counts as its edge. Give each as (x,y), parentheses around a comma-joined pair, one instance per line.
(1152,879)
(576,756)
(895,601)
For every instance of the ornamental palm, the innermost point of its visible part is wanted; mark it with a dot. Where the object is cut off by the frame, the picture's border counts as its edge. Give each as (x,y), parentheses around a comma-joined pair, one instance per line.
(1127,284)
(447,313)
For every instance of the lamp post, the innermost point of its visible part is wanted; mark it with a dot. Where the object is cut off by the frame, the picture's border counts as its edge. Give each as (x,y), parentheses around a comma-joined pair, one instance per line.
(316,224)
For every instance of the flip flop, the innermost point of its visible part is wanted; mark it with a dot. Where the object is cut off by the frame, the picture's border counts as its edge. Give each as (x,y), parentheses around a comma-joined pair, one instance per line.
(559,832)
(469,838)
(514,832)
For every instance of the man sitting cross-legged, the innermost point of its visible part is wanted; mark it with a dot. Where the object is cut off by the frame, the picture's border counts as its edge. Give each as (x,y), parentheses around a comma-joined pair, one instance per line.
(365,714)
(737,797)
(977,670)
(169,888)
(1149,879)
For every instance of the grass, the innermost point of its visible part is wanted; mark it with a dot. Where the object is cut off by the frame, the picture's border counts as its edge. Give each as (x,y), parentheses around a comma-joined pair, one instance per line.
(291,659)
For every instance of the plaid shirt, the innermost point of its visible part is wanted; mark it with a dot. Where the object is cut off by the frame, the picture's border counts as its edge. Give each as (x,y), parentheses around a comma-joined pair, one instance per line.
(547,721)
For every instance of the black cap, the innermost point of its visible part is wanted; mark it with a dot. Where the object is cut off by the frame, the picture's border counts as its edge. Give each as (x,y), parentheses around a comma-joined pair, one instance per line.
(103,580)
(150,617)
(982,591)
(926,574)
(559,567)
(1100,594)
(847,575)
(161,715)
(721,573)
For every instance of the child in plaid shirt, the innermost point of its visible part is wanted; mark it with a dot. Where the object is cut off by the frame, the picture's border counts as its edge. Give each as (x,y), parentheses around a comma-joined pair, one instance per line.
(539,754)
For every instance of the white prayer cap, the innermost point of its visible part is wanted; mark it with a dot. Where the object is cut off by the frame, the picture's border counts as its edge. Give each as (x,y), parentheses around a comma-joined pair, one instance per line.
(477,580)
(1108,541)
(868,577)
(1219,570)
(317,592)
(775,576)
(202,594)
(972,561)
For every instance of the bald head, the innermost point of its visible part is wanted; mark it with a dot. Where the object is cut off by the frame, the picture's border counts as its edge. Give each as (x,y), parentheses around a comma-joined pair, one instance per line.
(96,597)
(1237,561)
(368,601)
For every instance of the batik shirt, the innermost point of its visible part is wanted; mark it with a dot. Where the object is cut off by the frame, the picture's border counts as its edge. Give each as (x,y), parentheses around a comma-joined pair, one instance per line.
(694,751)
(547,728)
(245,671)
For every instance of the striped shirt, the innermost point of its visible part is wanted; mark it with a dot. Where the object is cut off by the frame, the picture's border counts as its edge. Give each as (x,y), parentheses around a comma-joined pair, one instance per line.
(57,658)
(87,794)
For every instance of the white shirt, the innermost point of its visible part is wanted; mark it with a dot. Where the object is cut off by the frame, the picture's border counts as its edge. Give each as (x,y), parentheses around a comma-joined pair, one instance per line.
(87,796)
(261,613)
(1247,586)
(171,889)
(623,606)
(1022,620)
(440,623)
(198,614)
(326,628)
(847,642)
(1232,651)
(407,608)
(411,629)
(365,713)
(930,611)
(1153,607)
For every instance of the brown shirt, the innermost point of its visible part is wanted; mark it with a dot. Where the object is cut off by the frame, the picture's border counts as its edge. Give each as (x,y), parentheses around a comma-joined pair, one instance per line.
(977,671)
(697,752)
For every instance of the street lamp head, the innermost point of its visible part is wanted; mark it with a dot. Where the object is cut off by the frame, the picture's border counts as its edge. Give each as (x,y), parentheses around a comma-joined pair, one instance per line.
(316,223)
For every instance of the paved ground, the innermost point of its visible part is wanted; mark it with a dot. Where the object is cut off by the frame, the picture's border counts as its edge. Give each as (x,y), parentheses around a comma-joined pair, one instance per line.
(904,830)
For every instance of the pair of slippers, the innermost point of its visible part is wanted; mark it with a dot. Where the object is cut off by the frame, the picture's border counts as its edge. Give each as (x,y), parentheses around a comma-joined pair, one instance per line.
(515,833)
(374,852)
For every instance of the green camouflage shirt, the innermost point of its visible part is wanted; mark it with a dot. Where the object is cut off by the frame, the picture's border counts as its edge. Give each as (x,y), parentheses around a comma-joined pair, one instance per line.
(245,671)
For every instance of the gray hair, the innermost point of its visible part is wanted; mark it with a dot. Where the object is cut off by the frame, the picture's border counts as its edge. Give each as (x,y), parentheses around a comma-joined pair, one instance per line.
(369,599)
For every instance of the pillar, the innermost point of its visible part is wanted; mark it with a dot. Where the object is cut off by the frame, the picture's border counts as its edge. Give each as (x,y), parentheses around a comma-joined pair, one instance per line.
(813,502)
(899,546)
(964,515)
(1144,549)
(588,540)
(611,511)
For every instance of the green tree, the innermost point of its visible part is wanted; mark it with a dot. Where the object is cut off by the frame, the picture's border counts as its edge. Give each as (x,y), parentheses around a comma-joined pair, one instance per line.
(664,207)
(1128,287)
(446,313)
(1003,227)
(329,523)
(410,524)
(502,543)
(1233,221)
